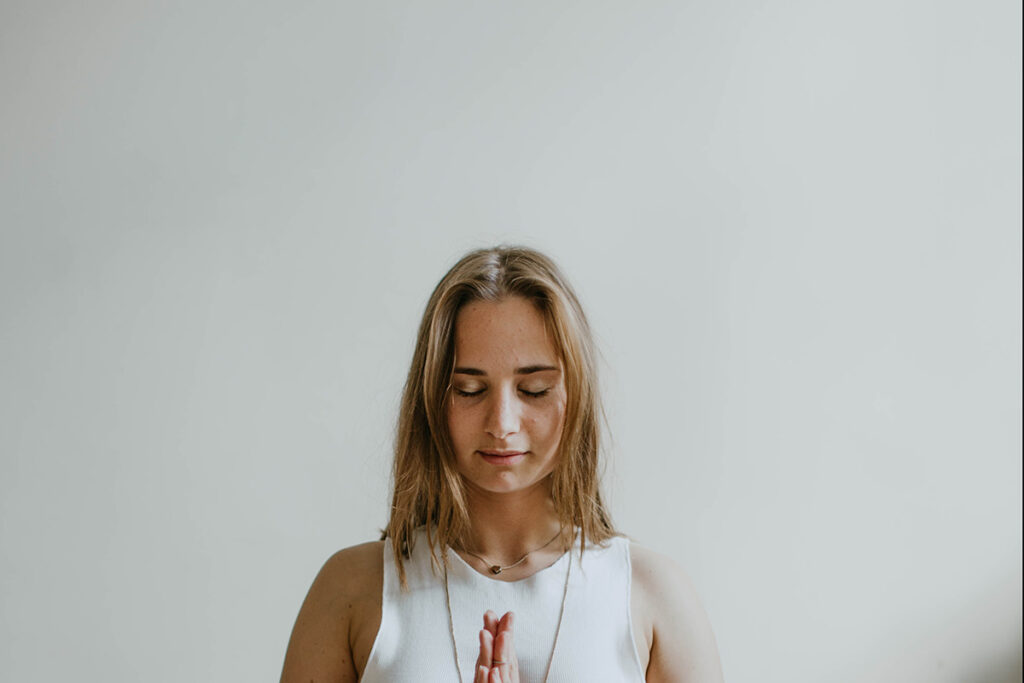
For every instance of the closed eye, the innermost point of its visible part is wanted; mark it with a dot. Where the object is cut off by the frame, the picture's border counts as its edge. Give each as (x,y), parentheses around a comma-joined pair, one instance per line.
(531,394)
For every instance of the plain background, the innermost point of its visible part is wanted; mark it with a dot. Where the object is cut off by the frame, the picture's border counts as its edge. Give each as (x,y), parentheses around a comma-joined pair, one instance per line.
(796,227)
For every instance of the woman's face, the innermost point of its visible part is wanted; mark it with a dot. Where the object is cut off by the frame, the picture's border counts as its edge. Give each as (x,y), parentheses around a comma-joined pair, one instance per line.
(507,404)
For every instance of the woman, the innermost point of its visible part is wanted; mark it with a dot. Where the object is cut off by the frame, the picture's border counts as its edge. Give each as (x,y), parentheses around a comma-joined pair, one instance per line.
(497,510)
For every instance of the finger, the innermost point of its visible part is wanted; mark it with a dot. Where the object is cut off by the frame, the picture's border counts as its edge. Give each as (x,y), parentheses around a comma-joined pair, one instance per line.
(503,653)
(486,650)
(505,623)
(505,628)
(495,676)
(504,649)
(481,674)
(491,622)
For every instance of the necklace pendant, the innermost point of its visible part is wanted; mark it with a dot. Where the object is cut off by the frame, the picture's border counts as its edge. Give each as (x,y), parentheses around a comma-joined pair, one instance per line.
(495,569)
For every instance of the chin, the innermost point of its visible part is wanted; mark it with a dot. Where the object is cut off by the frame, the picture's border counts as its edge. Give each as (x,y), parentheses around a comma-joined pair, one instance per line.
(511,484)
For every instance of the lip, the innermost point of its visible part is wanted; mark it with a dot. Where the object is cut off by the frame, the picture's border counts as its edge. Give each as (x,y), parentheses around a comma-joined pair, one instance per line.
(502,457)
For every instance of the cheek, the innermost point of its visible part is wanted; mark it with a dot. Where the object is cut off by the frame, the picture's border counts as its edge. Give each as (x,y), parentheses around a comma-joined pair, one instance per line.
(547,424)
(463,425)
(456,424)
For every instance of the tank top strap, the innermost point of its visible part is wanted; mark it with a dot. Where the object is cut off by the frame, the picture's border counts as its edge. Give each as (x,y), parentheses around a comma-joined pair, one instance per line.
(596,640)
(413,642)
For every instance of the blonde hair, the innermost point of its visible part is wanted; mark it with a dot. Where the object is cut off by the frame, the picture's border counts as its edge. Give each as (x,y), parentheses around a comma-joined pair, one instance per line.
(428,489)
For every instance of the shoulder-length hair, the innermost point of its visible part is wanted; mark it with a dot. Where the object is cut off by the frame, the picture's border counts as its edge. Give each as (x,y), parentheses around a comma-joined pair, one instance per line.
(428,489)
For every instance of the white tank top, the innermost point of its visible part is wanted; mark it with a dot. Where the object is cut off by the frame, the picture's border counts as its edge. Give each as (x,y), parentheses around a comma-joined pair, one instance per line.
(595,642)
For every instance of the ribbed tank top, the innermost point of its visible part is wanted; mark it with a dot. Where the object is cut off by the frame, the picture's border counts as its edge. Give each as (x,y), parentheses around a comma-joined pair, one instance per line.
(595,642)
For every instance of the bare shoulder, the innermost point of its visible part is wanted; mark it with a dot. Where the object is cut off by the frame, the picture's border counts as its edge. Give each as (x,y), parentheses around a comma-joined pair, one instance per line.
(339,618)
(657,575)
(357,565)
(678,631)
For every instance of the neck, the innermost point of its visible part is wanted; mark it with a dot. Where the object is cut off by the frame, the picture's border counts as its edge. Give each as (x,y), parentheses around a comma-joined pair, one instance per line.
(506,526)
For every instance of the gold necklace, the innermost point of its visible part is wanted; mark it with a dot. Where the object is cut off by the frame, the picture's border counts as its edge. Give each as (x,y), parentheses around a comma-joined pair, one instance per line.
(497,568)
(558,628)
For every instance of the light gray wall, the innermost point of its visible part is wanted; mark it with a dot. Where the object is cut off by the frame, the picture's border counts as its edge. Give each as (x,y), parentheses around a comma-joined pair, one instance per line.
(796,227)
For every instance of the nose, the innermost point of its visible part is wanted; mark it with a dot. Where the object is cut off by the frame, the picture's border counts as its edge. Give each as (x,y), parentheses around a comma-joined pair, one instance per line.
(503,414)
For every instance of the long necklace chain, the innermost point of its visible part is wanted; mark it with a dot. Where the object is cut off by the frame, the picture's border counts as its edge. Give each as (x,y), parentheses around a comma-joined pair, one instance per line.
(558,628)
(497,568)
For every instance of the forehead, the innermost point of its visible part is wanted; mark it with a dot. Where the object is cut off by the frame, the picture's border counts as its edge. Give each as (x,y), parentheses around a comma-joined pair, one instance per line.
(504,334)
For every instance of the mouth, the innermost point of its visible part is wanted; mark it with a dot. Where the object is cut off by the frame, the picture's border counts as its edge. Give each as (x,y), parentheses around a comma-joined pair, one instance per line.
(502,457)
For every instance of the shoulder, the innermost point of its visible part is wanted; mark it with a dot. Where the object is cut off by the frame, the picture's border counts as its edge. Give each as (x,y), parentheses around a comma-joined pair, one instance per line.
(352,572)
(353,567)
(335,621)
(682,644)
(656,574)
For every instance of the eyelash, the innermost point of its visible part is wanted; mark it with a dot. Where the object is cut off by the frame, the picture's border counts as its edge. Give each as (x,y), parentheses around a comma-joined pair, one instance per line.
(531,394)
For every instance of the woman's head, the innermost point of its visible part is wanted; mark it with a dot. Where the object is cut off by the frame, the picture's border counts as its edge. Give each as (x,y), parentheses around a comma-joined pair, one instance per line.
(505,408)
(509,309)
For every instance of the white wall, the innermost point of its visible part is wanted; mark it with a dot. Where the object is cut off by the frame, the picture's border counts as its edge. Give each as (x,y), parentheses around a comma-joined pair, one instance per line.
(796,227)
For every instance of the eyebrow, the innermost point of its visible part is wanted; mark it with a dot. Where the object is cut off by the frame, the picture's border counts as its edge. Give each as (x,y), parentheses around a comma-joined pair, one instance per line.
(528,370)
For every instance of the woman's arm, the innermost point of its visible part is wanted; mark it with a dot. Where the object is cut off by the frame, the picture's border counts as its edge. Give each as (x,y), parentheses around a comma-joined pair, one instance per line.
(683,647)
(321,646)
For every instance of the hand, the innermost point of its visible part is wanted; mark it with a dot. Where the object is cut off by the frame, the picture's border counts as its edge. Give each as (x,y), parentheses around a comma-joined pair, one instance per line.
(497,662)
